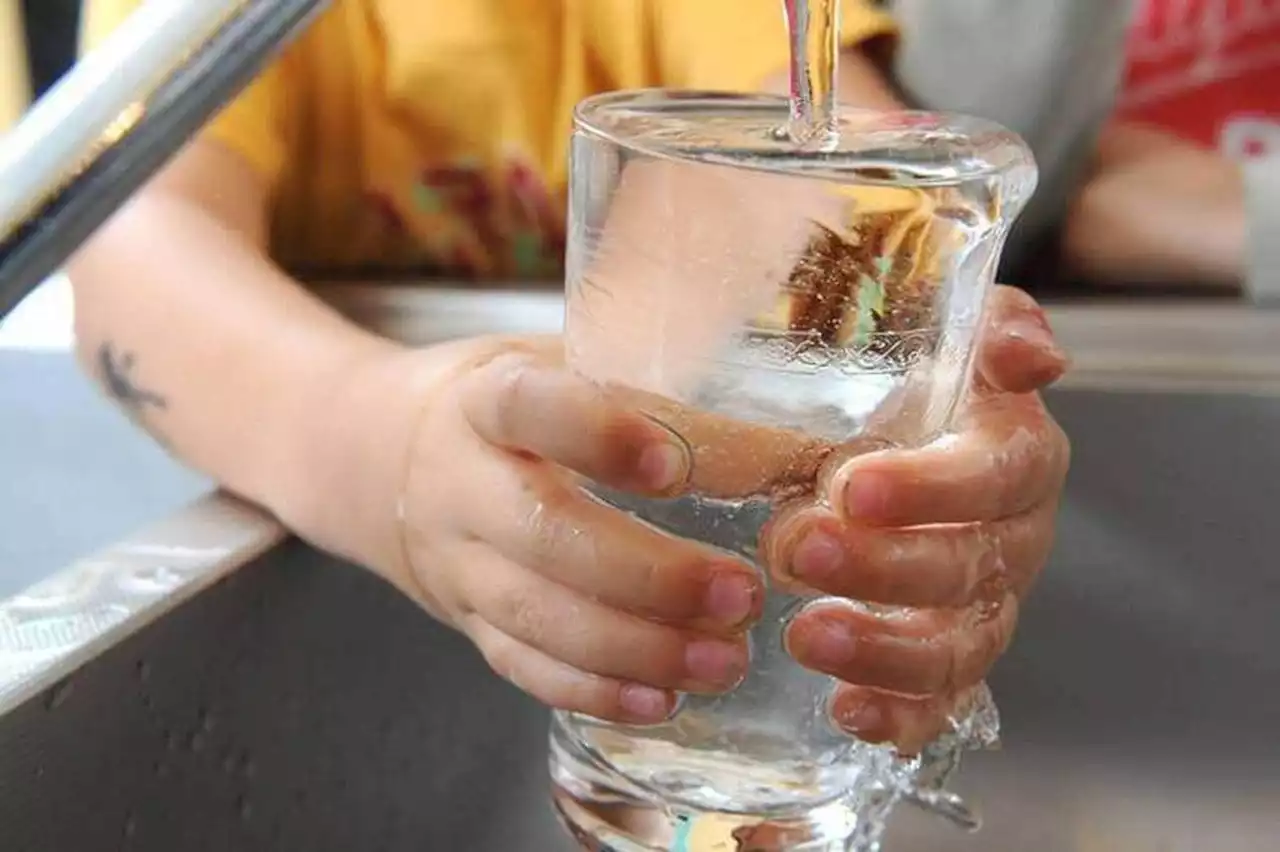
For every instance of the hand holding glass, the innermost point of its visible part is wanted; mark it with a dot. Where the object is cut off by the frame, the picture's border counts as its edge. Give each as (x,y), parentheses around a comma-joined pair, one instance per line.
(781,311)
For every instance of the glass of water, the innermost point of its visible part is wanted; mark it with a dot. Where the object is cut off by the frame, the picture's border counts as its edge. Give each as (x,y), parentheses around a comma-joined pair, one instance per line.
(772,305)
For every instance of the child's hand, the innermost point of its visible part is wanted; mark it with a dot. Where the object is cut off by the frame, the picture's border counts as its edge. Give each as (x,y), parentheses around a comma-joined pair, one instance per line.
(960,529)
(574,602)
(586,609)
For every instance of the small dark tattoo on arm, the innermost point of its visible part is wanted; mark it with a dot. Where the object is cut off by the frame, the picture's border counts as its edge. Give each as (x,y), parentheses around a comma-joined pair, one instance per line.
(116,370)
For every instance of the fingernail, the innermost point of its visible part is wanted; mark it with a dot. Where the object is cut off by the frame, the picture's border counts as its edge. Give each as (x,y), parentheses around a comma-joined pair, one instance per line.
(817,557)
(866,495)
(714,663)
(1034,331)
(663,466)
(731,598)
(830,645)
(863,719)
(644,703)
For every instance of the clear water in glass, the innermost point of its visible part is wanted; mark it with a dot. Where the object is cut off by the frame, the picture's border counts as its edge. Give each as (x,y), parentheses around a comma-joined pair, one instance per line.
(828,301)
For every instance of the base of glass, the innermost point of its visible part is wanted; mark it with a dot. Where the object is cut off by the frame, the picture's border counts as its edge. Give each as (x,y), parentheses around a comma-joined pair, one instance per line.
(605,812)
(608,811)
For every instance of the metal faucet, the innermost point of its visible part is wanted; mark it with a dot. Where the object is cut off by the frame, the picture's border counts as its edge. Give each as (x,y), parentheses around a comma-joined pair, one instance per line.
(116,118)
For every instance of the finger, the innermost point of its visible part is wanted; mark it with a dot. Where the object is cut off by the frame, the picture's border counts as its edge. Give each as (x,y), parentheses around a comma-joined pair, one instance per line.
(762,460)
(1008,456)
(909,722)
(537,519)
(915,652)
(934,567)
(1018,351)
(593,638)
(526,404)
(629,439)
(559,685)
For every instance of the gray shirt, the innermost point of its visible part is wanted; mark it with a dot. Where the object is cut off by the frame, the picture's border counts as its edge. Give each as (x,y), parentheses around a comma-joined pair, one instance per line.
(1050,71)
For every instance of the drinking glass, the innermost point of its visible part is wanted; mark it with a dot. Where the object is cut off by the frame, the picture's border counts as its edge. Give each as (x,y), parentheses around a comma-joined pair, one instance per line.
(776,307)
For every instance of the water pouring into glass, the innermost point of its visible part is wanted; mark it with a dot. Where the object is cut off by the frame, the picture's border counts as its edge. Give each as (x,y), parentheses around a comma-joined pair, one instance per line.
(784,284)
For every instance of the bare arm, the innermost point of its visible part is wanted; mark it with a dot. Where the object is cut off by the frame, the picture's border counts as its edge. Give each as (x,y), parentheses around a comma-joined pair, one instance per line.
(235,367)
(1159,210)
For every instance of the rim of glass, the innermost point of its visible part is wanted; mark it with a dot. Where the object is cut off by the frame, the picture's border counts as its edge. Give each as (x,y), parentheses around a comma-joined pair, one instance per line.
(996,148)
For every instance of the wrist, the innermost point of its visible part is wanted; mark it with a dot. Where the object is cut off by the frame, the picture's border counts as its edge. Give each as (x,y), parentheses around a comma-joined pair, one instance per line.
(352,441)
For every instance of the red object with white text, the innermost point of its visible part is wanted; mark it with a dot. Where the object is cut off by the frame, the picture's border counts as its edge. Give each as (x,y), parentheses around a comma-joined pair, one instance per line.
(1208,70)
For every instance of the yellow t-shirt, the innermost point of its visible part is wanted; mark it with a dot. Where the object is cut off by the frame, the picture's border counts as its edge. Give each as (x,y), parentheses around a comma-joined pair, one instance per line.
(433,134)
(14,88)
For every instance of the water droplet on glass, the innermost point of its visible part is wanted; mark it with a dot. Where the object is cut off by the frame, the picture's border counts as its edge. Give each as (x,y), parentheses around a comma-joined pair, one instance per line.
(144,670)
(196,742)
(130,826)
(245,807)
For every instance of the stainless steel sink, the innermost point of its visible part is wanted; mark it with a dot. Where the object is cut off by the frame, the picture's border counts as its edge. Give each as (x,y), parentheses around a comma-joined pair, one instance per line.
(298,704)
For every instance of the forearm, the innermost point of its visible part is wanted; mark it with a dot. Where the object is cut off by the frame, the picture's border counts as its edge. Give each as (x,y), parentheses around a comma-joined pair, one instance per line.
(241,373)
(1159,210)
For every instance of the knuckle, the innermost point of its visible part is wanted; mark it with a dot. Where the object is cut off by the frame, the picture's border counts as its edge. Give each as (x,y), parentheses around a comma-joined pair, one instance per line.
(893,565)
(653,585)
(522,616)
(549,530)
(512,373)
